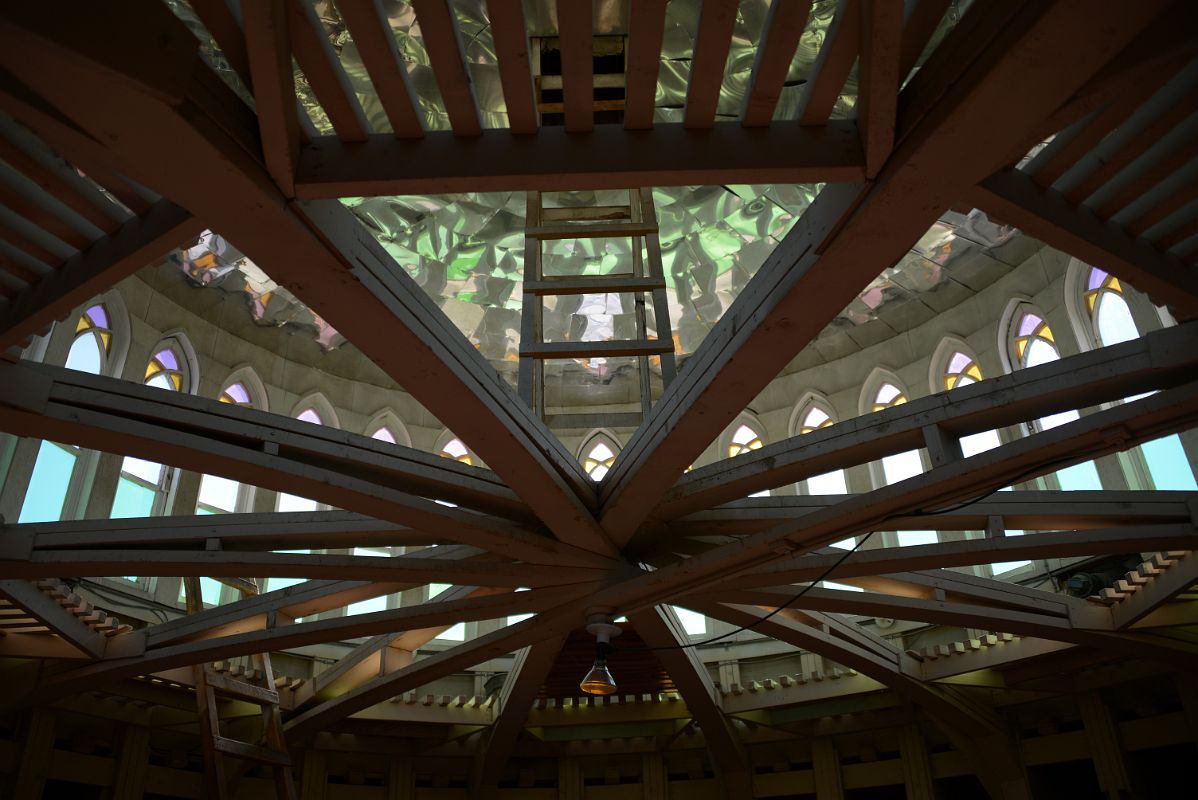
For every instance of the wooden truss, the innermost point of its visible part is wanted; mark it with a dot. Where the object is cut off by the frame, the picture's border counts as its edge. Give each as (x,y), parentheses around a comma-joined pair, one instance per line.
(131,103)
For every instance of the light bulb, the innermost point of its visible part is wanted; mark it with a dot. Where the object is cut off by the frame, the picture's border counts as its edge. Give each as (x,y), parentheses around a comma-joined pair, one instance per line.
(599,679)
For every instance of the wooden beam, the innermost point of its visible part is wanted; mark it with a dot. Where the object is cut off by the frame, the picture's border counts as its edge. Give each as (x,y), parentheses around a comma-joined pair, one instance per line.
(267,50)
(832,65)
(1175,580)
(709,59)
(439,28)
(646,27)
(784,25)
(519,692)
(555,160)
(137,243)
(877,96)
(1162,359)
(664,635)
(921,20)
(851,233)
(578,92)
(315,55)
(388,72)
(58,619)
(220,21)
(515,69)
(1045,214)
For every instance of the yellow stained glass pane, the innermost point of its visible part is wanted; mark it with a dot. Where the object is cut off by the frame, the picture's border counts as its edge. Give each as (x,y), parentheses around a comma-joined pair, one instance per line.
(177,381)
(83,324)
(1046,332)
(755,444)
(898,401)
(152,369)
(974,372)
(224,398)
(1020,346)
(950,381)
(1114,285)
(879,406)
(106,340)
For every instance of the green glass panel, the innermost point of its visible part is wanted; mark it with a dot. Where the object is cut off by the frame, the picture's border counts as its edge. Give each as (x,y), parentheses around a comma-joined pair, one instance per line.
(48,484)
(132,500)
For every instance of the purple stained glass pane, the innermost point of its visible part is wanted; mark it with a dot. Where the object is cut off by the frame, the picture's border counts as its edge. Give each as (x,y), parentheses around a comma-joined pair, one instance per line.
(1097,276)
(310,415)
(1029,323)
(238,393)
(98,317)
(958,363)
(166,357)
(383,435)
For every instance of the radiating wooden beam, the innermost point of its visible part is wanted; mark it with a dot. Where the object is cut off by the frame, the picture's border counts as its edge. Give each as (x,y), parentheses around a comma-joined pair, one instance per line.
(1048,215)
(515,68)
(832,65)
(440,31)
(555,160)
(851,233)
(709,58)
(58,619)
(646,27)
(316,57)
(877,94)
(578,91)
(388,72)
(519,692)
(784,25)
(136,244)
(1163,359)
(269,61)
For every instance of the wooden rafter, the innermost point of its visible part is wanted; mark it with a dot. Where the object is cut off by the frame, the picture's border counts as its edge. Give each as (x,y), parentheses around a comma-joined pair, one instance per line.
(439,28)
(388,73)
(646,27)
(717,20)
(515,69)
(832,65)
(322,68)
(784,25)
(268,45)
(877,98)
(578,72)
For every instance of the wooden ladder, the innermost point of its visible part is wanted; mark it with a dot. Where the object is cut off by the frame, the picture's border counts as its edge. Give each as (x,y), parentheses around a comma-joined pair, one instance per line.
(211,684)
(644,276)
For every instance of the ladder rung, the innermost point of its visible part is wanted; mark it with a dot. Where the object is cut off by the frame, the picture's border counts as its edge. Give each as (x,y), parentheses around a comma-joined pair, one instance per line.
(229,687)
(611,80)
(597,105)
(593,285)
(595,349)
(597,230)
(585,213)
(251,752)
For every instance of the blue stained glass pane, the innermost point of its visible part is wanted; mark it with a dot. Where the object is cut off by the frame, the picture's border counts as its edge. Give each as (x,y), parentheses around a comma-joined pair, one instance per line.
(1079,477)
(132,500)
(48,484)
(1168,465)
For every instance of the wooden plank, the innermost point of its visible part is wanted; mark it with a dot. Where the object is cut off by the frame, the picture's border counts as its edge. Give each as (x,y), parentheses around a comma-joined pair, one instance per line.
(1160,360)
(1136,181)
(252,752)
(832,65)
(58,619)
(555,160)
(57,181)
(877,94)
(21,242)
(519,692)
(269,61)
(784,25)
(588,285)
(515,69)
(1159,211)
(646,27)
(315,55)
(439,28)
(587,213)
(709,58)
(596,230)
(1051,217)
(603,349)
(37,215)
(380,55)
(578,93)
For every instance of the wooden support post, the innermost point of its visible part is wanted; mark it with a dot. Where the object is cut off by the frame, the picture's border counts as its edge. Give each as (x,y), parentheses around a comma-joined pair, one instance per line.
(1103,740)
(401,784)
(917,770)
(943,448)
(654,781)
(35,756)
(134,763)
(315,780)
(826,764)
(569,779)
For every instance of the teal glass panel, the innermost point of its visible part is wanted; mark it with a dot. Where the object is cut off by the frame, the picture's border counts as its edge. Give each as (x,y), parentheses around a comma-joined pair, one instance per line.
(1079,477)
(132,500)
(48,484)
(209,591)
(1168,465)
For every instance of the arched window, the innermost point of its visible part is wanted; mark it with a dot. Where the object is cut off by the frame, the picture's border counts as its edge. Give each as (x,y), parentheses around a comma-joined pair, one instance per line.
(384,434)
(744,439)
(55,470)
(812,418)
(219,495)
(385,426)
(900,466)
(143,488)
(1033,343)
(599,453)
(456,450)
(317,411)
(1112,322)
(455,632)
(961,369)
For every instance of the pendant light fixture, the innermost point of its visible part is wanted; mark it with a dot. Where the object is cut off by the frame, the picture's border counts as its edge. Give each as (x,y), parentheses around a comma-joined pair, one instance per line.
(599,680)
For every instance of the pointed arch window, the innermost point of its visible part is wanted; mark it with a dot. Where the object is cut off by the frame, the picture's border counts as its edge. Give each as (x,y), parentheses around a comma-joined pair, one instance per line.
(598,459)
(744,440)
(56,468)
(219,495)
(384,434)
(1165,458)
(237,394)
(961,370)
(291,502)
(888,396)
(455,449)
(834,483)
(900,466)
(143,488)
